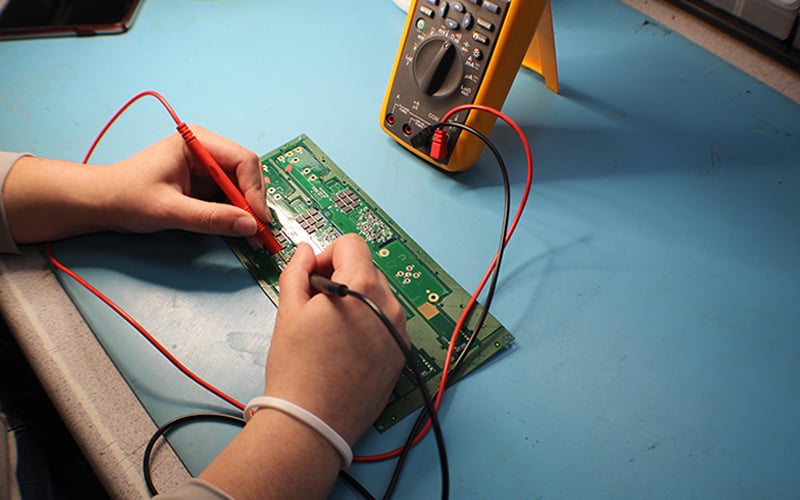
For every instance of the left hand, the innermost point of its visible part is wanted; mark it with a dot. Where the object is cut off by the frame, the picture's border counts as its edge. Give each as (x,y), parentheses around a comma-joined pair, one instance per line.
(161,187)
(166,188)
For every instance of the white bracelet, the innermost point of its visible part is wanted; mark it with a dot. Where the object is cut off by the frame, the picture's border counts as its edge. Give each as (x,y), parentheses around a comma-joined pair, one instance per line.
(307,418)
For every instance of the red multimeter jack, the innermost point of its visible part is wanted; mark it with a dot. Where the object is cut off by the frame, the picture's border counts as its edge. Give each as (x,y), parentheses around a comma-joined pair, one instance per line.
(463,52)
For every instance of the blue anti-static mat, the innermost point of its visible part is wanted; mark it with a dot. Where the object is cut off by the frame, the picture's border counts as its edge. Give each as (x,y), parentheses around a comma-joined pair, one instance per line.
(652,286)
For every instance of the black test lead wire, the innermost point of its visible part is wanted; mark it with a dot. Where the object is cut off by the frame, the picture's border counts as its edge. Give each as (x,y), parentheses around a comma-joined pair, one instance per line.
(325,285)
(422,417)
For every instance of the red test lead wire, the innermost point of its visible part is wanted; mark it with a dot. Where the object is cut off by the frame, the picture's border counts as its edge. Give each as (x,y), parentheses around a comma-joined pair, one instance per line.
(142,330)
(110,303)
(474,298)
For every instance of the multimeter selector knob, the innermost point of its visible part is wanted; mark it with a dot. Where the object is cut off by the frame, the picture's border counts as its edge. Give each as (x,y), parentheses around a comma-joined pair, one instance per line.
(437,67)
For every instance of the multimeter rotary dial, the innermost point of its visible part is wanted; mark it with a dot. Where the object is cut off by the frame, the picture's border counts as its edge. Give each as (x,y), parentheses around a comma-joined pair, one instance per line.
(437,68)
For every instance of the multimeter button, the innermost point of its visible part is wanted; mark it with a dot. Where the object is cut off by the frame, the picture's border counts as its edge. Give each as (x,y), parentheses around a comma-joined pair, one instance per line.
(433,2)
(426,10)
(491,7)
(481,38)
(476,2)
(443,9)
(466,23)
(451,24)
(459,7)
(485,24)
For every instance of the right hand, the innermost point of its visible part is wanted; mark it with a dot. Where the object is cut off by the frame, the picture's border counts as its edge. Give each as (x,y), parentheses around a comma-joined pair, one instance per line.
(332,355)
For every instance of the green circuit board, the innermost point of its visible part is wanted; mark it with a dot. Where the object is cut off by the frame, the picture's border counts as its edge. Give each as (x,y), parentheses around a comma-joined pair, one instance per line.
(312,200)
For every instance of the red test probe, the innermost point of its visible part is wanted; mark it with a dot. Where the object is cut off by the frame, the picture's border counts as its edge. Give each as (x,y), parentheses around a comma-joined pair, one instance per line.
(224,182)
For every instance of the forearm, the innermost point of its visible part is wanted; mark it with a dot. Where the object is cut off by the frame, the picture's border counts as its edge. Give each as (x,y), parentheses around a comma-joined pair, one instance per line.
(275,456)
(51,199)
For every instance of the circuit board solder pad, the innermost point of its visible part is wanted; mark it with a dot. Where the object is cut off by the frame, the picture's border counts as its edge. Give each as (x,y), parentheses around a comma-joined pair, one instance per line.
(312,200)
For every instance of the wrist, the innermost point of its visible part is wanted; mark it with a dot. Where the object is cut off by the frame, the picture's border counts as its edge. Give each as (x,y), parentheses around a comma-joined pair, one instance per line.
(275,456)
(51,199)
(304,416)
(302,439)
(335,412)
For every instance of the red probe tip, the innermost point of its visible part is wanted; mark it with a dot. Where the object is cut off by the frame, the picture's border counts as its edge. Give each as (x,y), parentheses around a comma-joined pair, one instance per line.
(266,237)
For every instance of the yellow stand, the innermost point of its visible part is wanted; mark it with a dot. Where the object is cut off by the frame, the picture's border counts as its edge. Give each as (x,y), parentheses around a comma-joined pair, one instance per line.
(541,54)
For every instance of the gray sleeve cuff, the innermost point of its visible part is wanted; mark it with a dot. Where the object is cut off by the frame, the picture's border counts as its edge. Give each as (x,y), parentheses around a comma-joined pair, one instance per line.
(7,160)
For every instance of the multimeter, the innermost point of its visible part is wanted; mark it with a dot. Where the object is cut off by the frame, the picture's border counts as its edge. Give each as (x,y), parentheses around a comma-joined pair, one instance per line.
(453,53)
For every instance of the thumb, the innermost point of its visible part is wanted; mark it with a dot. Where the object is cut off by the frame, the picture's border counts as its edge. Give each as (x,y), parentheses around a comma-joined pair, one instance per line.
(201,216)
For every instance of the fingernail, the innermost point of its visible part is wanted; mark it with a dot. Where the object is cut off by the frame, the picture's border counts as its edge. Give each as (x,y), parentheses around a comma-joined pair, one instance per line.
(245,226)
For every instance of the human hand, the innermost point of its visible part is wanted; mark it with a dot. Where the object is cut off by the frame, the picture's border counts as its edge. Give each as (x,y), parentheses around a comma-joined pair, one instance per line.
(331,355)
(161,187)
(165,187)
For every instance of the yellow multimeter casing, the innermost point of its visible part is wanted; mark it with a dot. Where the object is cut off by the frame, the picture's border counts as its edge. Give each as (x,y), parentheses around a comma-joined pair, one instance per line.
(463,52)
